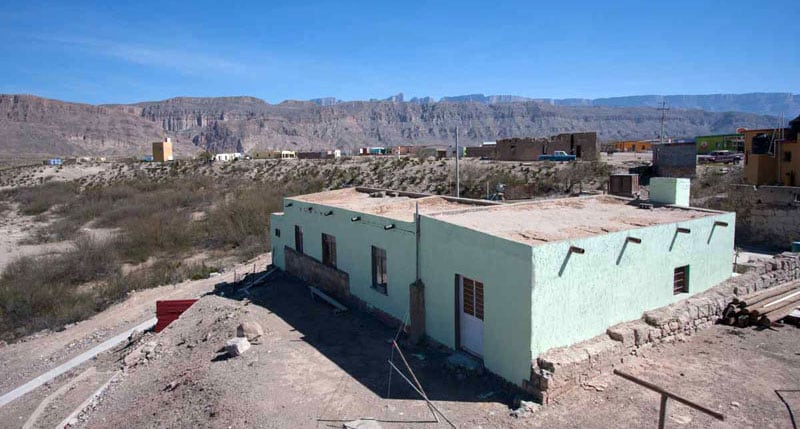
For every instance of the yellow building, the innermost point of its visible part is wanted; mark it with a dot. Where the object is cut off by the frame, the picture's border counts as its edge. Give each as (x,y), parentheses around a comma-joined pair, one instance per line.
(633,146)
(772,156)
(162,151)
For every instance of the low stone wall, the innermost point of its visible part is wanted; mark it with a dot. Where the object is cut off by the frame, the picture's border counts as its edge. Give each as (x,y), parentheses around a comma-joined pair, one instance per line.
(328,279)
(765,215)
(560,370)
(333,282)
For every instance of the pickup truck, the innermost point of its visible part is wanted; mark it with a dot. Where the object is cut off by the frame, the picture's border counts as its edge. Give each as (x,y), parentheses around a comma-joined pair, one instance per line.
(721,156)
(558,155)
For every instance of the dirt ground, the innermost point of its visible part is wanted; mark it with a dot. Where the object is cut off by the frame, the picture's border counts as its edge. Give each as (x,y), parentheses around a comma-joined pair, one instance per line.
(15,228)
(27,359)
(316,368)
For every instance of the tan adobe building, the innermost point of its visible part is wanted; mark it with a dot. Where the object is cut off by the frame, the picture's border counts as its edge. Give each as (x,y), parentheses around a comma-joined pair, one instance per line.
(772,156)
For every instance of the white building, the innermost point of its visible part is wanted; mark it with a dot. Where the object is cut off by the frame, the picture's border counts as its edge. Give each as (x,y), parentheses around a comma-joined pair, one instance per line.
(225,157)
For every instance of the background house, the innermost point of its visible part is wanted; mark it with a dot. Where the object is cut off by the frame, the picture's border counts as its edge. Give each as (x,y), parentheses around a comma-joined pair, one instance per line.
(675,159)
(162,151)
(772,156)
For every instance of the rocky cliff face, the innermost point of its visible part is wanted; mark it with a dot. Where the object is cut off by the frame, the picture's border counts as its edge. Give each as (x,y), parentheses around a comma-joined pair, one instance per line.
(349,125)
(35,126)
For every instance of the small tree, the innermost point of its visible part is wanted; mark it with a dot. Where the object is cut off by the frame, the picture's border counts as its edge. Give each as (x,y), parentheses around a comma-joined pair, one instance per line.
(206,156)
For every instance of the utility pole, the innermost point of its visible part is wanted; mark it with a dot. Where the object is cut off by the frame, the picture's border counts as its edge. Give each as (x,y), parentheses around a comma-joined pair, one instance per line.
(458,178)
(663,110)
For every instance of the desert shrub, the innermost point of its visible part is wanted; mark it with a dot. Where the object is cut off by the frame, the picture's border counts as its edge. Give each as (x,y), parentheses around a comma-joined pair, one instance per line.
(241,222)
(38,292)
(34,200)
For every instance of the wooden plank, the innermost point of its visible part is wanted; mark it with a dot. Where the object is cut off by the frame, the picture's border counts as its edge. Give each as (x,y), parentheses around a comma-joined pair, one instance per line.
(762,295)
(774,302)
(662,413)
(327,298)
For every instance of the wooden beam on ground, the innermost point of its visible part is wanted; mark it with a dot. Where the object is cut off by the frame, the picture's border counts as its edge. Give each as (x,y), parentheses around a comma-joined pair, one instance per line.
(325,297)
(765,294)
(666,394)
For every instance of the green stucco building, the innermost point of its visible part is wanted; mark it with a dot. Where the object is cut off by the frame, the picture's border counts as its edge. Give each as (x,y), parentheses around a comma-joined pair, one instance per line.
(504,282)
(731,142)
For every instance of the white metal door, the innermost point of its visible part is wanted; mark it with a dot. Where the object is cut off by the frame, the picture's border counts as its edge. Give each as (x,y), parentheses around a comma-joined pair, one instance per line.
(471,318)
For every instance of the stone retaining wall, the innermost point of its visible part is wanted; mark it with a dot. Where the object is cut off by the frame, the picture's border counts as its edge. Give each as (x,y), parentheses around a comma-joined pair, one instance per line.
(333,282)
(329,279)
(559,370)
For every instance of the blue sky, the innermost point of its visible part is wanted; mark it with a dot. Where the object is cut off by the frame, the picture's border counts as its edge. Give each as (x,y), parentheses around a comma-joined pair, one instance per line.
(105,52)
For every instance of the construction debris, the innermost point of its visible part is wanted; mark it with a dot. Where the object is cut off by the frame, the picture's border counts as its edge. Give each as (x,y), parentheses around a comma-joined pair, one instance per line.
(763,308)
(237,346)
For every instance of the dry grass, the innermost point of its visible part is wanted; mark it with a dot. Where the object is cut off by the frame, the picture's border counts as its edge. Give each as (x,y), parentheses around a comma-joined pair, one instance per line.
(154,221)
(34,200)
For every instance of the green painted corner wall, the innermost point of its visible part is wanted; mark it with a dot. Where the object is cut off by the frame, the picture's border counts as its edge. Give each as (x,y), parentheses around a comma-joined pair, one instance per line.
(505,269)
(578,298)
(354,241)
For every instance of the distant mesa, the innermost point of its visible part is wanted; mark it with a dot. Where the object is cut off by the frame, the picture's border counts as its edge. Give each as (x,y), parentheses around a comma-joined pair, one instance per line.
(39,127)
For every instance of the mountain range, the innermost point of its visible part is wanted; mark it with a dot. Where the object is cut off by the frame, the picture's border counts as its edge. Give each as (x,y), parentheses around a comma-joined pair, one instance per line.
(763,103)
(34,126)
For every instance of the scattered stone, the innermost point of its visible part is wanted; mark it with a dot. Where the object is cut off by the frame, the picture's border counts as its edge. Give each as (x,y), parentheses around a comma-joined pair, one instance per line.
(135,336)
(599,387)
(133,358)
(237,346)
(362,424)
(250,330)
(525,409)
(735,404)
(462,361)
(172,386)
(149,348)
(681,419)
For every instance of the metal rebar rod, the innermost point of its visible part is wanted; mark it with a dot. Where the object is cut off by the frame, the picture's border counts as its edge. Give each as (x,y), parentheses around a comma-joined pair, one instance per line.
(430,404)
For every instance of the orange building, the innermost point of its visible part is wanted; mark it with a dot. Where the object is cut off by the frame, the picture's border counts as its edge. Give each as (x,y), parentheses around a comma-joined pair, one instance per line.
(162,151)
(772,156)
(633,146)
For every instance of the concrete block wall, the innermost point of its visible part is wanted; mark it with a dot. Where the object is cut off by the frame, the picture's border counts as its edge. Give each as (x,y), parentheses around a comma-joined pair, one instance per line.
(559,370)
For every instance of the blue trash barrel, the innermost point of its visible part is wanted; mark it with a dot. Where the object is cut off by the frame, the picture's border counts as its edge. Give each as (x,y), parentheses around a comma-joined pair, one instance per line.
(796,246)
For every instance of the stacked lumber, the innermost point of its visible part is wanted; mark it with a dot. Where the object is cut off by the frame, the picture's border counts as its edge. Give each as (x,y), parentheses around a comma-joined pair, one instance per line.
(764,307)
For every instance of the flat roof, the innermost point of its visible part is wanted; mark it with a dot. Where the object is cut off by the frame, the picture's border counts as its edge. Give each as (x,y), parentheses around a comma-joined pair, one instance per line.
(530,222)
(400,207)
(546,221)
